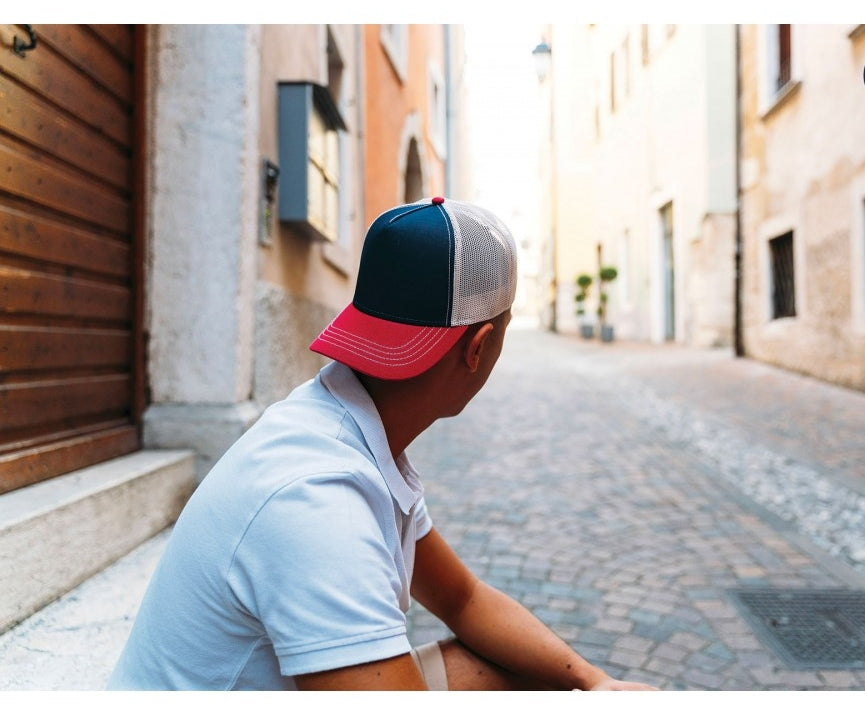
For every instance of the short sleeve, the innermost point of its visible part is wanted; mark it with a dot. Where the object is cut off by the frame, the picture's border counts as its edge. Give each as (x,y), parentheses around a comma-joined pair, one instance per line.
(423,521)
(321,567)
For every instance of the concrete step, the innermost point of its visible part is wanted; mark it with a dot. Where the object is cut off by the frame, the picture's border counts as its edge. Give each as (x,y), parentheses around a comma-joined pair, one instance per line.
(72,644)
(54,535)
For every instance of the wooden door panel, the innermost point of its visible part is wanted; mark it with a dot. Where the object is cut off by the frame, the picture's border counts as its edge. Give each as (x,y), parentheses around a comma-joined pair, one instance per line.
(32,348)
(53,243)
(118,37)
(48,74)
(63,404)
(76,43)
(30,176)
(32,120)
(36,294)
(71,383)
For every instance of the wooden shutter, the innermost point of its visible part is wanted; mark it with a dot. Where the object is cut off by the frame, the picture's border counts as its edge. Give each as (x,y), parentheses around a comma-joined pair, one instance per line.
(70,335)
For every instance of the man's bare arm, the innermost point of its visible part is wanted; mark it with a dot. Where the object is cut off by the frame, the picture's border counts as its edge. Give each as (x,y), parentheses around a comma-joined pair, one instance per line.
(399,673)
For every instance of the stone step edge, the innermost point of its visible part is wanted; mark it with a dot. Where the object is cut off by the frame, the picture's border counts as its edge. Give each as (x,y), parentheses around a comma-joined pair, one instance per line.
(56,534)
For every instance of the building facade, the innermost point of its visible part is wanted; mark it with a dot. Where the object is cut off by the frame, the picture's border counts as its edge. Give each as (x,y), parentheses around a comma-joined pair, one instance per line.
(409,135)
(644,128)
(183,209)
(803,199)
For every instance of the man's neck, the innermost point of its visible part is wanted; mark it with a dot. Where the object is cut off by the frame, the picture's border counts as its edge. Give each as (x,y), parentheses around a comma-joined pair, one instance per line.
(406,408)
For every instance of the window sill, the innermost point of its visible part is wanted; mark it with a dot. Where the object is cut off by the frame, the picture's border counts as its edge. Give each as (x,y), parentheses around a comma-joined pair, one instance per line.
(783,97)
(337,257)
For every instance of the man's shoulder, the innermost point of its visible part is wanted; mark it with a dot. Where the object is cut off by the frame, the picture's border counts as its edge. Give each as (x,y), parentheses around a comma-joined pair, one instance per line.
(309,433)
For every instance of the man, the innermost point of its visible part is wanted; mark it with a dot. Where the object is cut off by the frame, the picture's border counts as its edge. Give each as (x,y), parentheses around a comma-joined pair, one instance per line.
(293,564)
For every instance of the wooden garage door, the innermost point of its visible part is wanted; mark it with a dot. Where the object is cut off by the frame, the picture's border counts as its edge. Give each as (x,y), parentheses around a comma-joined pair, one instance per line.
(70,370)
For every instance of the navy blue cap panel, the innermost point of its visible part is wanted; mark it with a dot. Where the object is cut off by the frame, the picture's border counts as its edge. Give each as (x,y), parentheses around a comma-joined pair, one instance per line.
(406,272)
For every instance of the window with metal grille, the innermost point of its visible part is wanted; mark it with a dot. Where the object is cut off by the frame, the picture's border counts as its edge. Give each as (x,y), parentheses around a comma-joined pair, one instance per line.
(783,280)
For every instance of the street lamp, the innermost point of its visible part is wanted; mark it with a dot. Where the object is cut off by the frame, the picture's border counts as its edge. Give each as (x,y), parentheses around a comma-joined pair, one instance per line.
(543,56)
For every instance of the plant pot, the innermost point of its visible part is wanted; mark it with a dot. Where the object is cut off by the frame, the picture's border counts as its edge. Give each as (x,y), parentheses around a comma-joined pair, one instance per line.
(606,333)
(587,331)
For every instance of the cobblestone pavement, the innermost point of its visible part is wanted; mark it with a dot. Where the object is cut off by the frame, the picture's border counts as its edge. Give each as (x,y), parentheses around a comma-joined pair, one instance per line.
(621,491)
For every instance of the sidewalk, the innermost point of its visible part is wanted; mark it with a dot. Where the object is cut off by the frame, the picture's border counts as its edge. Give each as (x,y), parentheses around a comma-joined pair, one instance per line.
(621,491)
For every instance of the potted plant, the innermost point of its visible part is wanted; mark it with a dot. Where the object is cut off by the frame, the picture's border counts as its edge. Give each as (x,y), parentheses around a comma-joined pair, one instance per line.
(584,282)
(605,276)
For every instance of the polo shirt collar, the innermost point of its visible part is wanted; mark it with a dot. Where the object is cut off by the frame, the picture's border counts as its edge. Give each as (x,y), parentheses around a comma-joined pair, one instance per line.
(401,478)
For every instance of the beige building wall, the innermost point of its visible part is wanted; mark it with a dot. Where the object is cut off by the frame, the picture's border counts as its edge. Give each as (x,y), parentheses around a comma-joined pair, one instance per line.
(803,171)
(645,118)
(234,296)
(304,282)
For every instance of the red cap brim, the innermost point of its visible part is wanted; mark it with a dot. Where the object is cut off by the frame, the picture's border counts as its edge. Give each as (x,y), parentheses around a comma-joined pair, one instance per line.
(384,349)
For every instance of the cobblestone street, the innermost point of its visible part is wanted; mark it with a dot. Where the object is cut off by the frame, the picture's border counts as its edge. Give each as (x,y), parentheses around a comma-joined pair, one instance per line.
(622,491)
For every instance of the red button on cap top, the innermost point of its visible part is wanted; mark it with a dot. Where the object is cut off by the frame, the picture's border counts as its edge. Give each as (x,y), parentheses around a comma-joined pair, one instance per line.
(438,200)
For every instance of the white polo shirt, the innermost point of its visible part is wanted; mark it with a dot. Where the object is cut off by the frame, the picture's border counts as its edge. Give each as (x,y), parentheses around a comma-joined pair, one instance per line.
(294,555)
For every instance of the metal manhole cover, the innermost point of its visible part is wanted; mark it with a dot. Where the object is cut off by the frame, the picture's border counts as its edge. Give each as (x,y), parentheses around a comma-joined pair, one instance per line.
(808,628)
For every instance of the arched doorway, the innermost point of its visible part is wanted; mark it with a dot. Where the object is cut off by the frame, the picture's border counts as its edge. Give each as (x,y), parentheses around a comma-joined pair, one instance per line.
(413,188)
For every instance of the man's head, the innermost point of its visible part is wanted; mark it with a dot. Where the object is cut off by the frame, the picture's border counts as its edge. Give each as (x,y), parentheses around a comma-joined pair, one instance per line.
(428,271)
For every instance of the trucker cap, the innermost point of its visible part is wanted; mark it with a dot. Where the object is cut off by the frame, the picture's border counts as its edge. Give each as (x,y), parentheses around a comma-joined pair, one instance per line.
(427,271)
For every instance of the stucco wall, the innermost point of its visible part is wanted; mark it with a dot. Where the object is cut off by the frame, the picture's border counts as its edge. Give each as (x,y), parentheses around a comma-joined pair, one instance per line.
(202,212)
(669,139)
(397,111)
(804,170)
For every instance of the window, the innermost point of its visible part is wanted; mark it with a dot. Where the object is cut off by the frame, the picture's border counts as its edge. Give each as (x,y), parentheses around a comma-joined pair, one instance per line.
(335,85)
(782,65)
(783,281)
(313,153)
(625,73)
(394,39)
(620,79)
(413,174)
(323,170)
(652,38)
(437,111)
(778,69)
(644,43)
(309,158)
(612,82)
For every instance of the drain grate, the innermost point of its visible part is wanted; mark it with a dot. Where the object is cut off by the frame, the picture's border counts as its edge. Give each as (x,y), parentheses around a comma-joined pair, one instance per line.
(808,628)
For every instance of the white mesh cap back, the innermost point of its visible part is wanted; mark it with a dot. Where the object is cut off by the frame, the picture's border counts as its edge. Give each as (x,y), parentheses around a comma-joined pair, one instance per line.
(485,269)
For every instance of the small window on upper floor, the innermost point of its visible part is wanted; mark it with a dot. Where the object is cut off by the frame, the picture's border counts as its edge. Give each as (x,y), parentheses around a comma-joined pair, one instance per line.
(777,67)
(394,39)
(437,111)
(625,60)
(613,86)
(782,61)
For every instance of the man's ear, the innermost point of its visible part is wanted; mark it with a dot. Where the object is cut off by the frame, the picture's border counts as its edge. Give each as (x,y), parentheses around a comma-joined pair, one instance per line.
(475,346)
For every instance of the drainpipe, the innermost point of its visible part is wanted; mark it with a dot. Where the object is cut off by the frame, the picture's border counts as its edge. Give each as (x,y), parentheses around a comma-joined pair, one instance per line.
(738,344)
(360,131)
(449,102)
